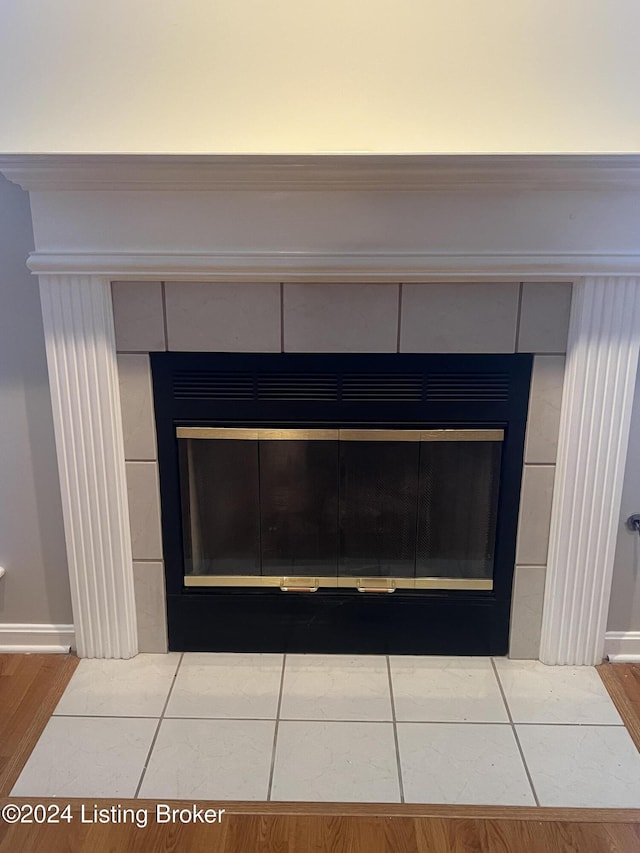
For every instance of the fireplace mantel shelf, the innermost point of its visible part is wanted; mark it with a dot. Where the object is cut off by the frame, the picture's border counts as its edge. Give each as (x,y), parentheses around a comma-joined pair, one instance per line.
(277,266)
(323,172)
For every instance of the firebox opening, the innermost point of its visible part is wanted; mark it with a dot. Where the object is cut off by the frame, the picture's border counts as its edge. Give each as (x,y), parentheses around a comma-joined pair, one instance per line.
(318,508)
(340,503)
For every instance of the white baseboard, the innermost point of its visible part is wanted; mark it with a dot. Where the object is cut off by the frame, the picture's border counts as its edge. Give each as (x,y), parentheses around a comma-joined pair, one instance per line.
(621,646)
(39,638)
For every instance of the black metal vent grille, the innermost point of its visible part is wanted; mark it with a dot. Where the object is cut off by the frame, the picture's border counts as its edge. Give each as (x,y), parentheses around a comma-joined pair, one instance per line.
(399,387)
(212,385)
(348,387)
(297,386)
(467,387)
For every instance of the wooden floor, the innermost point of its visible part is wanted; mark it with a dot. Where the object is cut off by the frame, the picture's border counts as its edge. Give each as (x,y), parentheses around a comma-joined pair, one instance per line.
(333,834)
(622,680)
(31,685)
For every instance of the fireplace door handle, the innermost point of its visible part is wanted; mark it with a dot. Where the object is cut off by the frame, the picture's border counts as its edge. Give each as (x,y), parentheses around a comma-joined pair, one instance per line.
(299,585)
(375,585)
(299,588)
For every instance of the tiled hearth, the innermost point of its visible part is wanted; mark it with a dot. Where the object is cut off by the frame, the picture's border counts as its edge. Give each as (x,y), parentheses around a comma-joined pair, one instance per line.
(336,729)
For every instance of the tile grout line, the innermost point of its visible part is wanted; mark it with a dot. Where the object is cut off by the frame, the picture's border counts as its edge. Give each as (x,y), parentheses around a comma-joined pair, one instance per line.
(399,317)
(281,316)
(155,736)
(147,559)
(562,353)
(515,733)
(106,716)
(275,731)
(331,720)
(164,315)
(395,731)
(520,291)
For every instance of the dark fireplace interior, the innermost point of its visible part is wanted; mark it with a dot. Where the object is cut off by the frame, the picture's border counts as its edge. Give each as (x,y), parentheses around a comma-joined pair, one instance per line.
(340,503)
(337,506)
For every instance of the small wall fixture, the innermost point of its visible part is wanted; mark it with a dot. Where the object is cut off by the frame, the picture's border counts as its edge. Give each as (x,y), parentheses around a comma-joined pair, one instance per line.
(633,523)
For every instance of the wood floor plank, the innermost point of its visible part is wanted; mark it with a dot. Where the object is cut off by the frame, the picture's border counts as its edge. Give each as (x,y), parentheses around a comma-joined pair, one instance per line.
(544,814)
(331,834)
(30,688)
(622,680)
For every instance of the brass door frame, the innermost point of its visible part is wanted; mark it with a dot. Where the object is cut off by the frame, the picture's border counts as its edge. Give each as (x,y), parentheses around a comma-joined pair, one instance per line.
(250,434)
(312,583)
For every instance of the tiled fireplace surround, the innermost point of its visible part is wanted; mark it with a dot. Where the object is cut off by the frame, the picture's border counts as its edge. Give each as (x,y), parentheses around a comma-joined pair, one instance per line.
(341,317)
(339,253)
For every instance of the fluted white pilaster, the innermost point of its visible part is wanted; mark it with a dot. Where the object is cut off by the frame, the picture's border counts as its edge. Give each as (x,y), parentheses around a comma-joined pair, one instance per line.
(602,359)
(80,344)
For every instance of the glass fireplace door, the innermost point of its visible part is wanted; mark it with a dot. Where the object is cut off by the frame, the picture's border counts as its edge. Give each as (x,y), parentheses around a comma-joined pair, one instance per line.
(372,510)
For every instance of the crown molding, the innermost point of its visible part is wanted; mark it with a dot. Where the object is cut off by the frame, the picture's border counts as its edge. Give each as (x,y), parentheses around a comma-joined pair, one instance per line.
(373,172)
(331,266)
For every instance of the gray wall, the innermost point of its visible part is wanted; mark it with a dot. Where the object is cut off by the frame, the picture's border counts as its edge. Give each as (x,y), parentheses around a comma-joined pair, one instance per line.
(35,588)
(624,610)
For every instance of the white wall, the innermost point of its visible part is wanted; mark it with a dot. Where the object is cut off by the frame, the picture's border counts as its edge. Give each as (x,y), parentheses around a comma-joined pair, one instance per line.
(338,75)
(36,586)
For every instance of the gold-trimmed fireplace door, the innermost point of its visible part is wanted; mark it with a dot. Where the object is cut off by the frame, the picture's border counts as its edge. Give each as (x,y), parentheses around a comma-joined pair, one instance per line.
(476,498)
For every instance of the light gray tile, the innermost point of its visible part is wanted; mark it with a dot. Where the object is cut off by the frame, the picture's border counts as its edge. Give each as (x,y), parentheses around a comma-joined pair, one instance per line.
(336,762)
(341,317)
(544,409)
(144,510)
(223,317)
(456,317)
(582,766)
(544,317)
(336,687)
(535,515)
(138,316)
(120,688)
(87,758)
(537,693)
(151,609)
(460,689)
(210,760)
(526,612)
(227,685)
(467,763)
(136,398)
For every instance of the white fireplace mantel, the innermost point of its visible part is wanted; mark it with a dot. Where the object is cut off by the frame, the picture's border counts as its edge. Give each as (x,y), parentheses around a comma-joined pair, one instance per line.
(96,219)
(341,172)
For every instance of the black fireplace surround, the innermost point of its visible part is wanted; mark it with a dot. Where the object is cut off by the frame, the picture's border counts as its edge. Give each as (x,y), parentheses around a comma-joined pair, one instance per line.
(341,503)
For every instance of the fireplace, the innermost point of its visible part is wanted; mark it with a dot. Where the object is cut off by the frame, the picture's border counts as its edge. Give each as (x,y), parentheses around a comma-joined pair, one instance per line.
(353,254)
(341,503)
